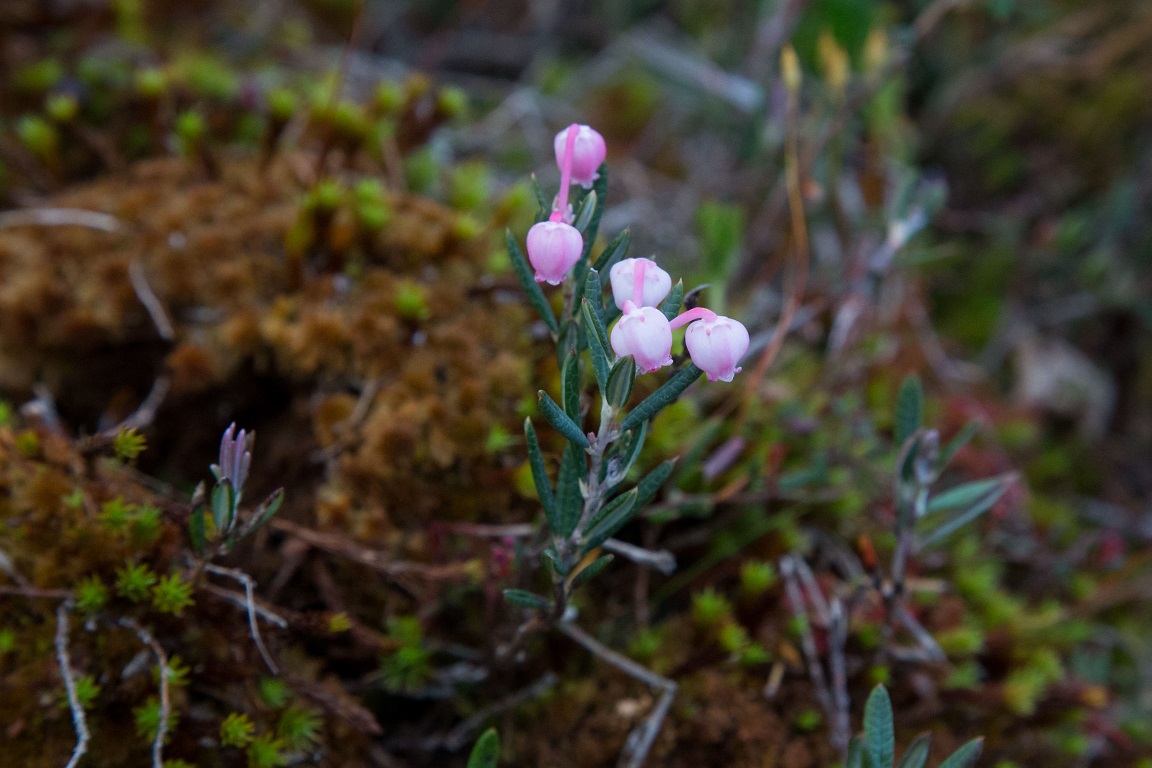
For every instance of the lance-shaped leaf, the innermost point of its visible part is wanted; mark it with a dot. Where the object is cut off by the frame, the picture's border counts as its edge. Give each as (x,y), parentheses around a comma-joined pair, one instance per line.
(978,507)
(965,494)
(600,189)
(196,529)
(614,516)
(223,505)
(620,381)
(570,387)
(486,753)
(664,396)
(560,420)
(614,251)
(909,408)
(583,215)
(595,294)
(955,444)
(879,731)
(532,288)
(557,566)
(966,756)
(595,567)
(265,512)
(916,756)
(526,599)
(540,476)
(671,304)
(856,751)
(569,501)
(543,207)
(597,343)
(651,483)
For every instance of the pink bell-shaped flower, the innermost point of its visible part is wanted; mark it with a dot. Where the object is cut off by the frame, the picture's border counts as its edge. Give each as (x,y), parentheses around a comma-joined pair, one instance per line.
(716,345)
(553,249)
(644,333)
(588,153)
(656,283)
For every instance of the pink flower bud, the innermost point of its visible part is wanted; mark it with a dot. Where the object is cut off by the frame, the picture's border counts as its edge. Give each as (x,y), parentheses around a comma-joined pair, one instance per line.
(657,282)
(716,346)
(554,248)
(587,154)
(644,333)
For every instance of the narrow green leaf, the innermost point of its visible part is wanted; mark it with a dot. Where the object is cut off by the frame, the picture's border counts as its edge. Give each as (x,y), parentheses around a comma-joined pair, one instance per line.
(955,444)
(917,753)
(569,502)
(614,251)
(265,512)
(614,516)
(671,304)
(526,599)
(662,397)
(543,205)
(909,408)
(879,732)
(965,494)
(196,530)
(591,571)
(600,189)
(597,343)
(583,214)
(855,756)
(528,282)
(486,753)
(540,476)
(570,387)
(634,444)
(222,505)
(966,756)
(594,292)
(559,568)
(979,507)
(620,381)
(560,420)
(651,483)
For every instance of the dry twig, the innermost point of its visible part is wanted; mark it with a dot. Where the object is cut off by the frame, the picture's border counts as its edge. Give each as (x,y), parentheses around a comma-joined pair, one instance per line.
(78,720)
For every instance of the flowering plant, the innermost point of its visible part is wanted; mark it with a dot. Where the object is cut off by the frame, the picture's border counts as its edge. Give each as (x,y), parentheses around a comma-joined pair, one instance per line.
(591,500)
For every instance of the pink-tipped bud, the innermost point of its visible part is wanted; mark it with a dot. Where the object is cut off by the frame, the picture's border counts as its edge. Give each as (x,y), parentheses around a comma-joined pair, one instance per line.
(554,248)
(644,333)
(716,346)
(622,276)
(587,154)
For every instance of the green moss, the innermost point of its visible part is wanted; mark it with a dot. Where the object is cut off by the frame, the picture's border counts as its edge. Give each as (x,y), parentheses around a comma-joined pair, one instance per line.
(91,595)
(134,581)
(299,728)
(710,608)
(172,594)
(237,730)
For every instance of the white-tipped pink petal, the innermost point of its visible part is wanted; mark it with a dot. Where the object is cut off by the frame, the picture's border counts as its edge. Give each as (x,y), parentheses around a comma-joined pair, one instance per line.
(553,249)
(643,333)
(622,276)
(716,346)
(587,154)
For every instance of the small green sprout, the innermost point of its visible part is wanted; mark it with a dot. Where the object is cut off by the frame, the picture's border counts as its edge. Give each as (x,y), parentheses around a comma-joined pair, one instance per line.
(453,102)
(62,108)
(389,97)
(134,581)
(274,692)
(39,137)
(86,692)
(757,577)
(116,515)
(237,730)
(710,608)
(266,752)
(178,672)
(299,728)
(734,638)
(410,301)
(147,719)
(128,444)
(28,443)
(407,669)
(7,641)
(808,720)
(466,227)
(91,595)
(282,104)
(172,594)
(145,525)
(150,82)
(339,623)
(5,414)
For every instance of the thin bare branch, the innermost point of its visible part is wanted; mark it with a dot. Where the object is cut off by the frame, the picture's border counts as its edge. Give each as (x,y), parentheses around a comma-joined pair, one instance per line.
(250,604)
(149,640)
(150,301)
(661,559)
(59,217)
(79,722)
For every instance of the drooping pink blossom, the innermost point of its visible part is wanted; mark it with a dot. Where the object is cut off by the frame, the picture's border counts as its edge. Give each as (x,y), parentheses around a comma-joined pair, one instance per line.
(716,344)
(655,282)
(643,333)
(553,249)
(588,153)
